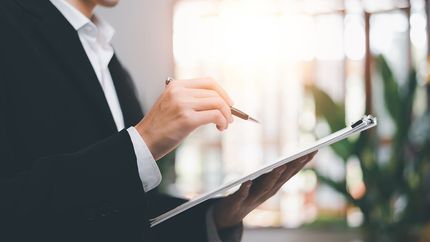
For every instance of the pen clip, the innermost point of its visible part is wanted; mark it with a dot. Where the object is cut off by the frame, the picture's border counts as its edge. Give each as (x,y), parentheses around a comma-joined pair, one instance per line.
(357,123)
(168,80)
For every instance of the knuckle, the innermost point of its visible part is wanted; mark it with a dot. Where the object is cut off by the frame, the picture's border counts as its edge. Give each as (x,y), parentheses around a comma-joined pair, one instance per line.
(174,92)
(178,106)
(217,115)
(213,93)
(186,115)
(188,119)
(211,81)
(173,84)
(170,92)
(220,103)
(221,118)
(242,195)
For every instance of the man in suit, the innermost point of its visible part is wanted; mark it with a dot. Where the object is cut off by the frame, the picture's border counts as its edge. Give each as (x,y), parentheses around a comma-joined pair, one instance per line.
(77,156)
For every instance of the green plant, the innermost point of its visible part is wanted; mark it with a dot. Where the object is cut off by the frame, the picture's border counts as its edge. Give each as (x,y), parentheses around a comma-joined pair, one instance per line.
(399,181)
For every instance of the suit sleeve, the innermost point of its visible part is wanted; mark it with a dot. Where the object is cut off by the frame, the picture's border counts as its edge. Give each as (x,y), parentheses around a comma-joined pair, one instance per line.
(187,226)
(97,181)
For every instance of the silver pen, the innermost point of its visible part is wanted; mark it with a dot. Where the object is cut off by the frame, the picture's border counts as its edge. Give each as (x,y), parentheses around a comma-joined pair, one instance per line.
(234,111)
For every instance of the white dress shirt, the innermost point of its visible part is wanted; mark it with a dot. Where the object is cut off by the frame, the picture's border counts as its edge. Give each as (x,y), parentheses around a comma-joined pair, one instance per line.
(95,36)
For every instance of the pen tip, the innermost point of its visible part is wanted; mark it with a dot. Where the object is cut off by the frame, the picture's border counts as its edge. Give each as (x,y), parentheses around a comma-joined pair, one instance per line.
(254,120)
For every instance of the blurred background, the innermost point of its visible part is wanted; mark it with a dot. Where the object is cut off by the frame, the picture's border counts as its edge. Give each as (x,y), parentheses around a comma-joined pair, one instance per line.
(304,68)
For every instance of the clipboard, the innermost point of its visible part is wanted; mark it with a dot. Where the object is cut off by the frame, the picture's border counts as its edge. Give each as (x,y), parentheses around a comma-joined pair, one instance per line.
(361,125)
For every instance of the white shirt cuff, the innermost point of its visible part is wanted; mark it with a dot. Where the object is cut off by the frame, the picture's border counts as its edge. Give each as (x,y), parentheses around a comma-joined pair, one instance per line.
(211,228)
(149,172)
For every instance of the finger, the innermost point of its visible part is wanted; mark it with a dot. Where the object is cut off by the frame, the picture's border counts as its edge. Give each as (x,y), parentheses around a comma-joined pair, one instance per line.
(308,158)
(209,95)
(286,176)
(204,104)
(242,194)
(205,83)
(313,154)
(281,182)
(291,171)
(305,158)
(264,184)
(300,162)
(201,93)
(210,116)
(297,166)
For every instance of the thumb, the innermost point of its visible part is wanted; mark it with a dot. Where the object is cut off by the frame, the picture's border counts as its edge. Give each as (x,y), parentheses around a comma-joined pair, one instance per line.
(243,192)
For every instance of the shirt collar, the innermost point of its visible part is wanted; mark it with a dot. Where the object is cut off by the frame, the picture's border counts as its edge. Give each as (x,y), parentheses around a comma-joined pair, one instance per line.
(75,18)
(106,30)
(79,21)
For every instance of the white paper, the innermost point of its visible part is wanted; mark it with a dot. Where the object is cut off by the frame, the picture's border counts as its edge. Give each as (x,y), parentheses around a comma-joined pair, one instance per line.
(367,123)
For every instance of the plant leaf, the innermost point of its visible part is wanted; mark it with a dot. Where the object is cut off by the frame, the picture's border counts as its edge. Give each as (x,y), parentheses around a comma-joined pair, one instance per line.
(391,88)
(339,187)
(334,114)
(325,107)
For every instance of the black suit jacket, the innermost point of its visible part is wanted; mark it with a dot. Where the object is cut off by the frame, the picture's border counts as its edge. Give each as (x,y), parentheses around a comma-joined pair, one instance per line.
(66,174)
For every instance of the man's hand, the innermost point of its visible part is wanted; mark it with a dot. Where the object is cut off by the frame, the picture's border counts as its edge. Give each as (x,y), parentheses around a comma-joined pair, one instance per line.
(231,210)
(183,107)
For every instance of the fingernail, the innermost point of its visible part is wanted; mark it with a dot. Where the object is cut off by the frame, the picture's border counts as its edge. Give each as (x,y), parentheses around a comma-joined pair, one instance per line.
(230,102)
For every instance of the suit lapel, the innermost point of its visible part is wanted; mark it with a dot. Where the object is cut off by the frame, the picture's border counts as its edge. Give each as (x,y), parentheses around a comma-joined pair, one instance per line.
(64,42)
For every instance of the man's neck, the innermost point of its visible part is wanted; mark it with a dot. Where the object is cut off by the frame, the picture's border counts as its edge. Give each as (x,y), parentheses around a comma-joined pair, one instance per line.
(86,7)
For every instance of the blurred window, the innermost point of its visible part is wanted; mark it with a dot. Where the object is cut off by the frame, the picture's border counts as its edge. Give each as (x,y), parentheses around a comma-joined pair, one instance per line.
(263,52)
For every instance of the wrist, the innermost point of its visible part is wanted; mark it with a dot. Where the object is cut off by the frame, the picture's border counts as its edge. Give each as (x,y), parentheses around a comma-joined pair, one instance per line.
(149,139)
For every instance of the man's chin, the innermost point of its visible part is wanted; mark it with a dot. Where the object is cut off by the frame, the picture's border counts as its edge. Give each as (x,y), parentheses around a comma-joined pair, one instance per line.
(108,3)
